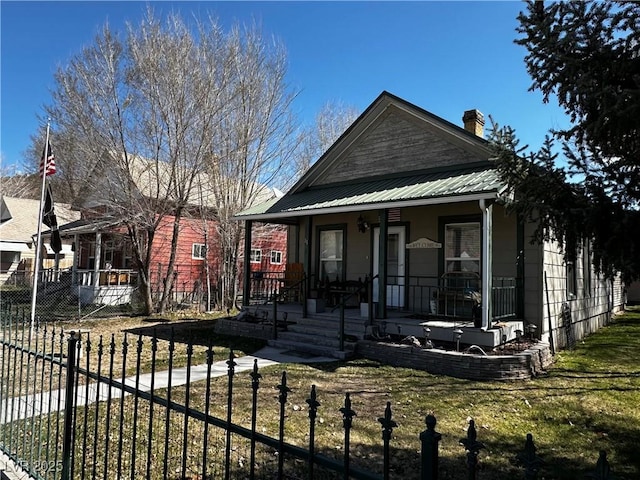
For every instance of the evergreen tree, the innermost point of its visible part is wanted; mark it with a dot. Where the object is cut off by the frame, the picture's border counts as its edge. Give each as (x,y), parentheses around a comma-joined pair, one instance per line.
(587,56)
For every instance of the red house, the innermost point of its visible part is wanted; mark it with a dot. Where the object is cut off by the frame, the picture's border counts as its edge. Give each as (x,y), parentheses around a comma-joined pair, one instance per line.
(104,270)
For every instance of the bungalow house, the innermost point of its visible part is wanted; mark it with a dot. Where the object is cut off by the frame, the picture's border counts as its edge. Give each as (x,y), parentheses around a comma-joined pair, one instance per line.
(104,272)
(403,222)
(18,227)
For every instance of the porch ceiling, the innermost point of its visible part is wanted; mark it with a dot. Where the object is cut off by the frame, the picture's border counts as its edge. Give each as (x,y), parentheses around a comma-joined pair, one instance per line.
(394,191)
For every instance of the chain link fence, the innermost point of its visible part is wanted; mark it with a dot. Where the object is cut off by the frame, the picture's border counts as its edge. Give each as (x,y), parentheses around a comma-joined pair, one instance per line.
(64,294)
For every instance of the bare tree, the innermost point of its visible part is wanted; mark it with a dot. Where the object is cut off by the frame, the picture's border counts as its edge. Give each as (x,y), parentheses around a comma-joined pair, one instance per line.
(171,111)
(253,141)
(330,122)
(14,183)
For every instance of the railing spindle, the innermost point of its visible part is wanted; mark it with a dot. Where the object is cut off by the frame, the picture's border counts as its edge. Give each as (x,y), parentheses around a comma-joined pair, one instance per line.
(231,368)
(347,422)
(167,418)
(207,397)
(387,429)
(185,427)
(282,398)
(112,351)
(150,442)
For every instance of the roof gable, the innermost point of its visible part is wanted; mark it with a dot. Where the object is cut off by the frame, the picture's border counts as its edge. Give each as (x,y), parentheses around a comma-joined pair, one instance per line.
(23,223)
(393,135)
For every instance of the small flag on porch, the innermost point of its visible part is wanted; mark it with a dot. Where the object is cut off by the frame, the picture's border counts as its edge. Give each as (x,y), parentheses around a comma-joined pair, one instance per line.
(393,215)
(48,161)
(49,219)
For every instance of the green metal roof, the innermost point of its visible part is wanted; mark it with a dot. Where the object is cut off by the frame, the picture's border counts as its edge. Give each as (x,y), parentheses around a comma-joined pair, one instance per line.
(416,189)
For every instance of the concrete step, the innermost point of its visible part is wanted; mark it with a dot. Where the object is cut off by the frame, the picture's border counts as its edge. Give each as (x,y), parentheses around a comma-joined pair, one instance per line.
(316,350)
(320,340)
(330,331)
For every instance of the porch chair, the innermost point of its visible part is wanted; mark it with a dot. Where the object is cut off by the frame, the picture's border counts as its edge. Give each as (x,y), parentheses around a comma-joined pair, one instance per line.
(293,282)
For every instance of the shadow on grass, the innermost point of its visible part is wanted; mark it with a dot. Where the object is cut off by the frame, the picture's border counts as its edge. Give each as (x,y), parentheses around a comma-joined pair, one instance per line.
(198,332)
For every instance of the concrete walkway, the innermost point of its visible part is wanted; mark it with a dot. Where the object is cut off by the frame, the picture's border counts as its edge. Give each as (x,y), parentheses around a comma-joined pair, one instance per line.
(26,406)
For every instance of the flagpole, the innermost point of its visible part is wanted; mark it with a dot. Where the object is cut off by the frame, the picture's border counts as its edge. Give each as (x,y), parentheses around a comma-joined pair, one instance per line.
(36,271)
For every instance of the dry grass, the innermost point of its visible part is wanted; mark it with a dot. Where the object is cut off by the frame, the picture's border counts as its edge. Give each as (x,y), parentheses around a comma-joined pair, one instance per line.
(587,402)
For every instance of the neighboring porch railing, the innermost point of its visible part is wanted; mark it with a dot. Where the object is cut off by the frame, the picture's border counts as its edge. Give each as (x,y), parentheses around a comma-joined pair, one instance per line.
(106,277)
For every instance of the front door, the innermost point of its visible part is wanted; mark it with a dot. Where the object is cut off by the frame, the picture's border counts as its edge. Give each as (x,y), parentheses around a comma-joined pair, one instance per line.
(395,265)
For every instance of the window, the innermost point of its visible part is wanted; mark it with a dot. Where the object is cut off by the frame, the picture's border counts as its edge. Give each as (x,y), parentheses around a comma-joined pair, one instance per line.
(276,257)
(462,247)
(331,247)
(256,255)
(199,251)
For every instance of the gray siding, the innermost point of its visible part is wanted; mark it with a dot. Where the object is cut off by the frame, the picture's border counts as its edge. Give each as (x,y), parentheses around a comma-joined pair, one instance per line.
(396,142)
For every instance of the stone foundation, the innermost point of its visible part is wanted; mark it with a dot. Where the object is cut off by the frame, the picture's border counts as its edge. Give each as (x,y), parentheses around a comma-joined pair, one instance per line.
(521,366)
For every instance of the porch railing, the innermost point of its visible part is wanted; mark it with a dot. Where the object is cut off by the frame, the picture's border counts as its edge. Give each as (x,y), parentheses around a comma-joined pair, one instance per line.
(420,295)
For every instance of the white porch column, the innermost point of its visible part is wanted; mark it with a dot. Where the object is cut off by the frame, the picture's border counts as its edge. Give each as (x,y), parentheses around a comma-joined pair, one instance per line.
(96,260)
(76,259)
(487,261)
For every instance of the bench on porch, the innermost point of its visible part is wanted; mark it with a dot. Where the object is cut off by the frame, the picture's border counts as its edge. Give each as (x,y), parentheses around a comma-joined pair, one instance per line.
(293,282)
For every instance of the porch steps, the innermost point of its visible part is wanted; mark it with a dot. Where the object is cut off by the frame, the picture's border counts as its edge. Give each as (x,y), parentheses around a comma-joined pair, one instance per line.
(319,335)
(329,325)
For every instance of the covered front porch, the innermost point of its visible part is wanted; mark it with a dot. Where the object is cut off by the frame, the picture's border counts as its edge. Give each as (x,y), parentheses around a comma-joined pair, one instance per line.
(431,309)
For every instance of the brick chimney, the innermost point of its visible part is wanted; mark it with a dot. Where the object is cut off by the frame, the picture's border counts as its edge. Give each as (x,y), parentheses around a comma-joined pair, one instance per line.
(474,122)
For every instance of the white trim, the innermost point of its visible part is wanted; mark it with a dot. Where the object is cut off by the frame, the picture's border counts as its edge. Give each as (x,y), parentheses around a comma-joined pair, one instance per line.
(487,262)
(371,206)
(14,247)
(66,249)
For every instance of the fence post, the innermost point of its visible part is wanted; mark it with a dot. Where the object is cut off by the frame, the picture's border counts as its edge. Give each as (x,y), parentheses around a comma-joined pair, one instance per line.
(72,345)
(430,439)
(530,460)
(387,429)
(473,447)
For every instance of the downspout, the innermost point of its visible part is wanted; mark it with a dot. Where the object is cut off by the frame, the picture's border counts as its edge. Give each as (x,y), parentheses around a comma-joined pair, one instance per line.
(487,261)
(246,267)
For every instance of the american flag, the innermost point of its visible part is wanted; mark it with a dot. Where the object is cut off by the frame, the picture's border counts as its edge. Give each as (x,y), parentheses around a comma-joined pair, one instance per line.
(50,166)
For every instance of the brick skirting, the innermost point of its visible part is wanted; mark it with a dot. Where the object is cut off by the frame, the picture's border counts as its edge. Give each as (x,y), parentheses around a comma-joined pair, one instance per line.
(520,366)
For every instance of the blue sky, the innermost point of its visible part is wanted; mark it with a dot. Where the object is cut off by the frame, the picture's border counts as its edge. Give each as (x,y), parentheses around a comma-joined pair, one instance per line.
(445,57)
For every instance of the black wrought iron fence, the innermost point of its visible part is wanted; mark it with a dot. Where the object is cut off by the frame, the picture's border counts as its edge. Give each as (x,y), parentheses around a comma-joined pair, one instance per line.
(77,407)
